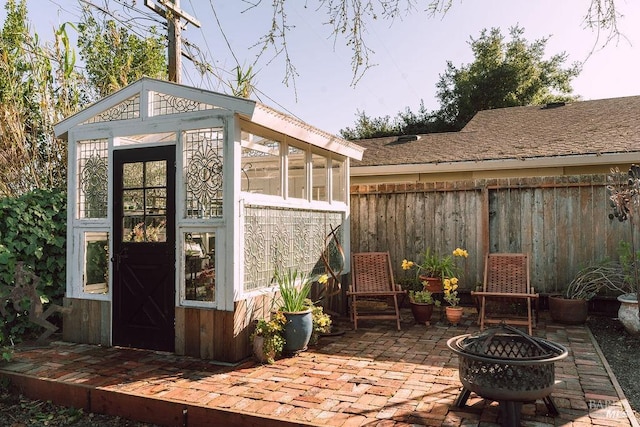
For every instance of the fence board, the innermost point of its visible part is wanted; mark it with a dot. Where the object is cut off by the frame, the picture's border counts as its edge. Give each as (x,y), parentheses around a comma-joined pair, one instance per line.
(561,222)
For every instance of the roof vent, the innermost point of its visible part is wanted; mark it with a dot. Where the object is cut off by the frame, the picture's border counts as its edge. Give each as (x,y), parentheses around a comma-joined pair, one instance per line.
(549,105)
(407,138)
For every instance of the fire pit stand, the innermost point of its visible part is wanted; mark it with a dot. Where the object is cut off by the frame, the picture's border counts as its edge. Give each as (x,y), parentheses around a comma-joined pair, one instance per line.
(508,366)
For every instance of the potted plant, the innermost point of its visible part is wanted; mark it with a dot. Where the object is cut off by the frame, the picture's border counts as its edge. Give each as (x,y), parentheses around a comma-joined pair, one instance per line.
(267,338)
(434,268)
(624,190)
(321,323)
(571,306)
(422,303)
(296,307)
(453,310)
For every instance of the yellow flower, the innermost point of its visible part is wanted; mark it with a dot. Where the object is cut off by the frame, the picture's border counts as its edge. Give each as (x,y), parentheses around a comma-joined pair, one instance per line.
(406,265)
(446,283)
(323,279)
(454,281)
(461,252)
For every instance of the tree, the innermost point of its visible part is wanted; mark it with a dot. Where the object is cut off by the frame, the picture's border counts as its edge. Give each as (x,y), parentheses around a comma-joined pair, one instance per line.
(114,57)
(38,87)
(503,74)
(349,20)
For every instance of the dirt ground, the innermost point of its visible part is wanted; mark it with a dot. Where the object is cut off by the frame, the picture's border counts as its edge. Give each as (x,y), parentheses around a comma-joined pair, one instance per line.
(621,351)
(619,348)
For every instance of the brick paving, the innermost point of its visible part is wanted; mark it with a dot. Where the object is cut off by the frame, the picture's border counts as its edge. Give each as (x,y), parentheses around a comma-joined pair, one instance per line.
(376,376)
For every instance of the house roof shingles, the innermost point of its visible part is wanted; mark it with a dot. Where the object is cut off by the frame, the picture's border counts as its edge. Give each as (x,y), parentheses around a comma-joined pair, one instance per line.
(577,128)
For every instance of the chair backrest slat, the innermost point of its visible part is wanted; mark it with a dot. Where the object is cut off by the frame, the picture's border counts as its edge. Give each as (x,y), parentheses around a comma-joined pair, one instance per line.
(507,272)
(371,272)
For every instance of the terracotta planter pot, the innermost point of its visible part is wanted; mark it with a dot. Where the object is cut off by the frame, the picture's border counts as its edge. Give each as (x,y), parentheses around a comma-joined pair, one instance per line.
(434,284)
(422,312)
(454,314)
(568,311)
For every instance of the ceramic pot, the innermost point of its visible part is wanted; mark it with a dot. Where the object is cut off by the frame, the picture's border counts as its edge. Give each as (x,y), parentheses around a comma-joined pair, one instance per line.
(422,312)
(297,331)
(454,314)
(568,311)
(628,313)
(434,284)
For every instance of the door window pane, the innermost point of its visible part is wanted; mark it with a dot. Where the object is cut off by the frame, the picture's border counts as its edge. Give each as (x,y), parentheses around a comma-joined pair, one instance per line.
(144,201)
(199,266)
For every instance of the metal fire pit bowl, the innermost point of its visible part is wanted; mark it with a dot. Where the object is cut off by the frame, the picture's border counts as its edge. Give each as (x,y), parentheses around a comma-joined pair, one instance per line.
(507,365)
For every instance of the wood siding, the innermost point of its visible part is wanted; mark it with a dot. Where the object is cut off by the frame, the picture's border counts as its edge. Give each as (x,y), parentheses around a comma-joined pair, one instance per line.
(562,222)
(88,322)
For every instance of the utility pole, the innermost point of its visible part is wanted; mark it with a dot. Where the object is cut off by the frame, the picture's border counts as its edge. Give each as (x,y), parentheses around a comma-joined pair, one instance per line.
(171,11)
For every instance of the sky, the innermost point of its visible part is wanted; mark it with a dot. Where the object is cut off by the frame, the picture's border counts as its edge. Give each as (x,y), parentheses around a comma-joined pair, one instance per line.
(410,54)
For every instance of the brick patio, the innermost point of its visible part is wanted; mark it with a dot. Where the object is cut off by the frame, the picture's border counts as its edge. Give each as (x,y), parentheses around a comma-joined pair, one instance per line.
(377,376)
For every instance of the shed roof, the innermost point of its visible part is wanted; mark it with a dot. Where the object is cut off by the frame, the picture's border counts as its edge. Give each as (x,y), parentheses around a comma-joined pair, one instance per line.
(129,104)
(552,133)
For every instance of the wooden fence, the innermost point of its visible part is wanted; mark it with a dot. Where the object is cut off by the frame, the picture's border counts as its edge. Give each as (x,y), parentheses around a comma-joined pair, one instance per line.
(562,222)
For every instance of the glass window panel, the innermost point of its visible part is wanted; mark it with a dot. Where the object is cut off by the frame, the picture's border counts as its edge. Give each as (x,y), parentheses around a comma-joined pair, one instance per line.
(155,229)
(338,180)
(133,228)
(261,170)
(92,189)
(156,174)
(133,201)
(199,266)
(132,175)
(319,178)
(156,202)
(96,262)
(296,175)
(203,173)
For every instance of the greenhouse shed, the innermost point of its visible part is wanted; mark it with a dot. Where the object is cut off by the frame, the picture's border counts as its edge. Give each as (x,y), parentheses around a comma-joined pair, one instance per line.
(182,203)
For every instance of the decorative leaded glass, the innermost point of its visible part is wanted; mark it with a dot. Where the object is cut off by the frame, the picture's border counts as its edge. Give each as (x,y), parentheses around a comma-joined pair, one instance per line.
(203,154)
(279,239)
(92,179)
(163,104)
(128,109)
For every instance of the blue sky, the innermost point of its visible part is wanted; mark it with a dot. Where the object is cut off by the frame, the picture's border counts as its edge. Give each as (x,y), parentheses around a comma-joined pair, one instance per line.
(410,53)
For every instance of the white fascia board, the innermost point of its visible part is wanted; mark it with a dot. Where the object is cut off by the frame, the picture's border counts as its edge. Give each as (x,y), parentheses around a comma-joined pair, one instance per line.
(221,101)
(288,125)
(488,165)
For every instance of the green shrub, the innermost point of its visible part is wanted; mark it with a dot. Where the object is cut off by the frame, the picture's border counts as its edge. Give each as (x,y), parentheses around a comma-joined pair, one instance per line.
(32,230)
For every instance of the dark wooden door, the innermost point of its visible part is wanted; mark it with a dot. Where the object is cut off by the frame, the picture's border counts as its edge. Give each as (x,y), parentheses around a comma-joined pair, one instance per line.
(144,248)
